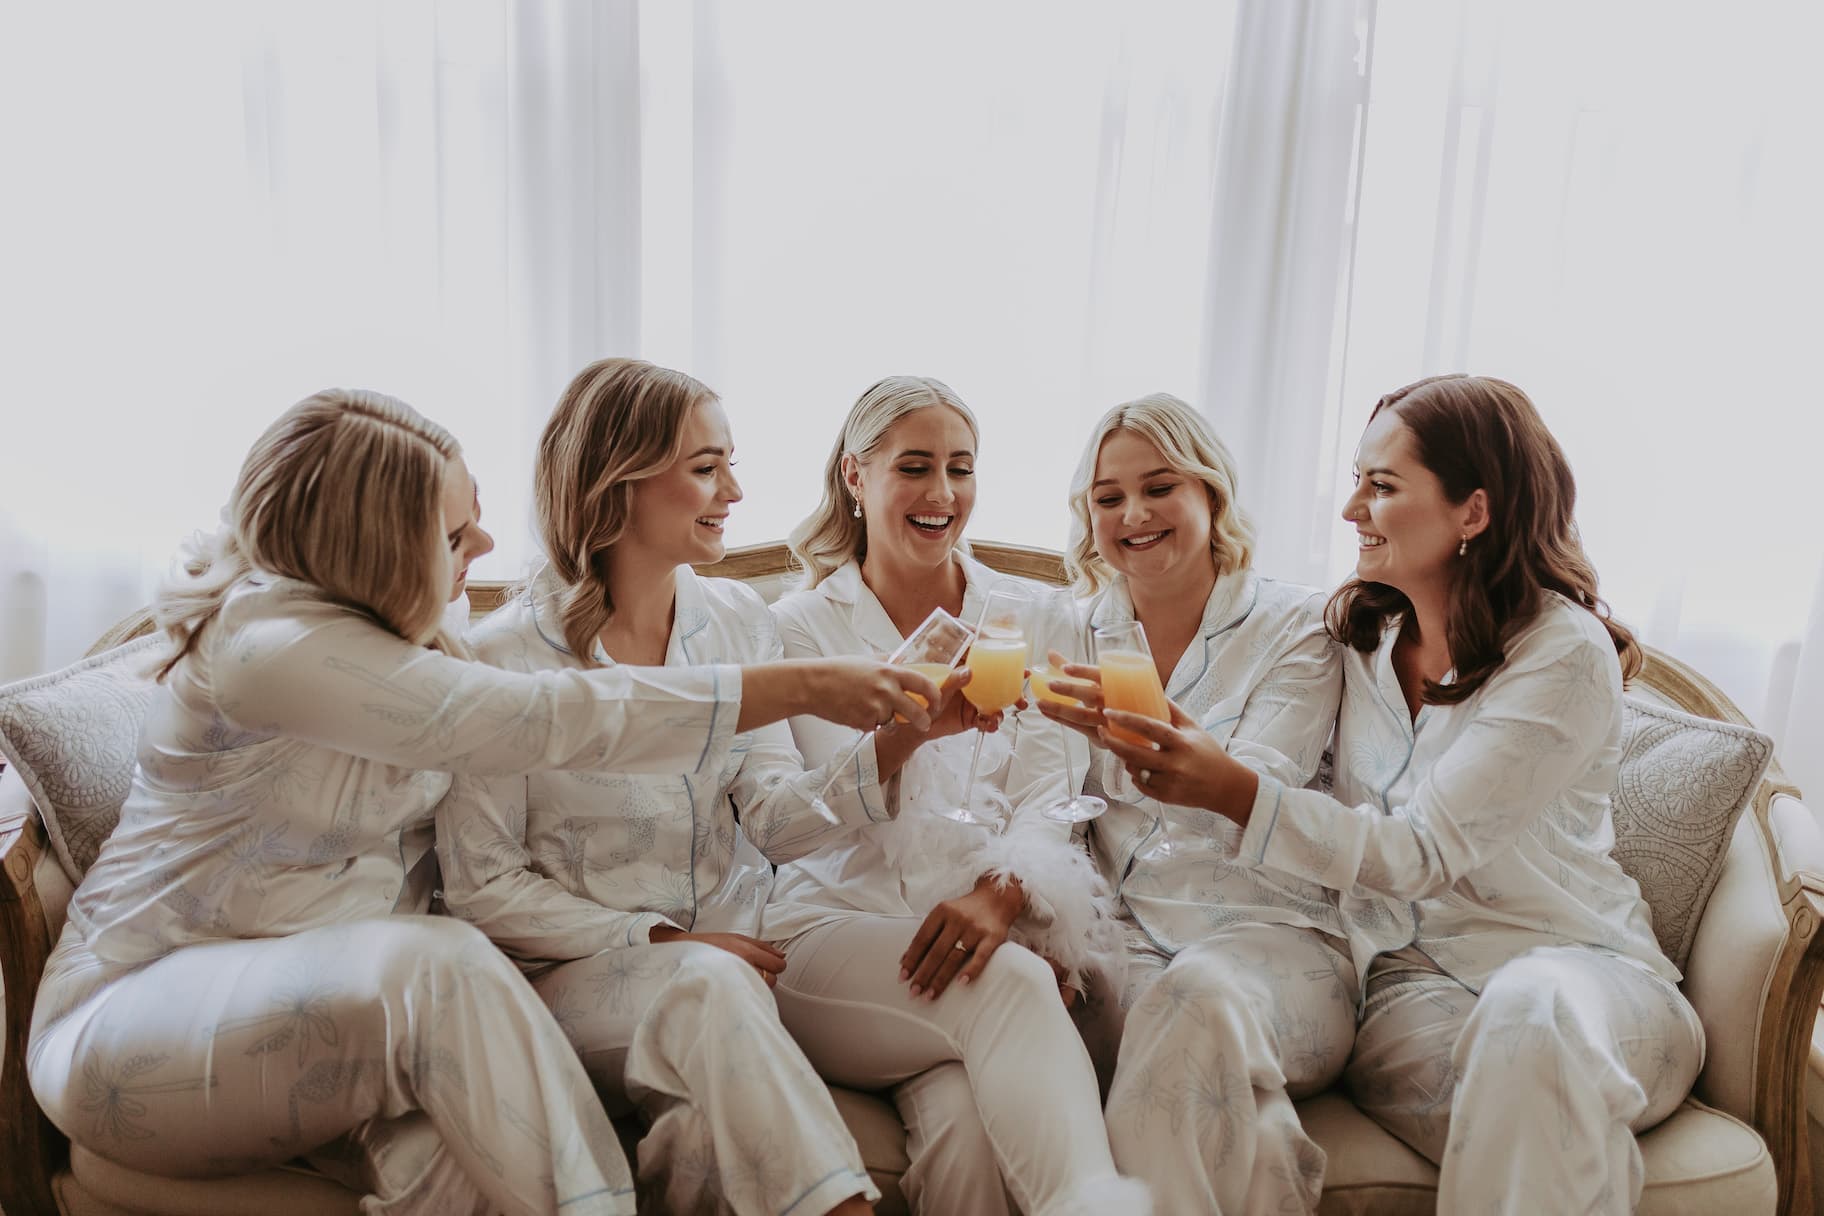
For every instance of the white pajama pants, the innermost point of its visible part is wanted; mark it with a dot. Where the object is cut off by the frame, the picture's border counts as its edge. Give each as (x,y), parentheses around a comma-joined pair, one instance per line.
(1217,1045)
(739,1120)
(1031,1098)
(235,1055)
(1528,1097)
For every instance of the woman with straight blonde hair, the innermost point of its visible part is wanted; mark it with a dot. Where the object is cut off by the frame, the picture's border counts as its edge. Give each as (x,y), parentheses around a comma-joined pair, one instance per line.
(1240,989)
(920,952)
(274,857)
(634,902)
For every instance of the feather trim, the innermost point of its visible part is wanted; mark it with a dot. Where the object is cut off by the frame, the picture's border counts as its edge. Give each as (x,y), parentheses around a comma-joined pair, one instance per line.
(1069,916)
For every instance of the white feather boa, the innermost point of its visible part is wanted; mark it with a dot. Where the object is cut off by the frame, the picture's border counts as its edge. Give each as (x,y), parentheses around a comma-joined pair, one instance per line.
(1069,908)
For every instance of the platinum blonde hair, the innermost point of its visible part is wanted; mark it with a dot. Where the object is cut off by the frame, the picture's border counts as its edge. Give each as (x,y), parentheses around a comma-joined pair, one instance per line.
(831,535)
(344,491)
(619,422)
(1191,448)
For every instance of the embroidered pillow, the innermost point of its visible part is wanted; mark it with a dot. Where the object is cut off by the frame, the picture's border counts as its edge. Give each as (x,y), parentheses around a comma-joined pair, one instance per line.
(73,735)
(1683,782)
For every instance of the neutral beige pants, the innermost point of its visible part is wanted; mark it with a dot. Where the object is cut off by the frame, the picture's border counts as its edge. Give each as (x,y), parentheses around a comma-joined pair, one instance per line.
(1215,1049)
(1032,1092)
(739,1120)
(1527,1097)
(235,1055)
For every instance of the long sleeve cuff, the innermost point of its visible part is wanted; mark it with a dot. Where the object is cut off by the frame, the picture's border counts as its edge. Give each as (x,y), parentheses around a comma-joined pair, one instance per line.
(1263,817)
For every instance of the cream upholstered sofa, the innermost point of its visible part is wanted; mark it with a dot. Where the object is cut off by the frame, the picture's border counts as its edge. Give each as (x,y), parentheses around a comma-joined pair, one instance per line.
(1731,859)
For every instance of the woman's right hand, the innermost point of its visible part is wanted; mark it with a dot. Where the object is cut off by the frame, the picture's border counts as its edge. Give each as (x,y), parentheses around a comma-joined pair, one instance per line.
(767,959)
(867,693)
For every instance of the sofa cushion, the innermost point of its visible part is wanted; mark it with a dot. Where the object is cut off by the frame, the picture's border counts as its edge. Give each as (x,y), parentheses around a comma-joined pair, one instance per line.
(74,737)
(1682,784)
(1699,1160)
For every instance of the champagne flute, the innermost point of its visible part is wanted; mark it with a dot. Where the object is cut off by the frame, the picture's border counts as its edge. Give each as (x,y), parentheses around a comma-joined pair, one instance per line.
(1130,681)
(997,671)
(933,648)
(1075,806)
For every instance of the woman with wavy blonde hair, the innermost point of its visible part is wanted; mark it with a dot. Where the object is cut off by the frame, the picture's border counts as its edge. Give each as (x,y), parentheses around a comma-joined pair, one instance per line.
(635,902)
(274,861)
(1219,958)
(1520,1023)
(920,952)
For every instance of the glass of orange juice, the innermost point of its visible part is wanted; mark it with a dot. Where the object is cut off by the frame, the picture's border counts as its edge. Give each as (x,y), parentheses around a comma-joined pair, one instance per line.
(1130,681)
(933,648)
(997,671)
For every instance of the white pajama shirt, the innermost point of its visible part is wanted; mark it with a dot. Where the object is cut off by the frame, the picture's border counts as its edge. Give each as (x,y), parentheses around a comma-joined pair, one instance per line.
(582,865)
(1483,832)
(246,976)
(1023,1107)
(1241,992)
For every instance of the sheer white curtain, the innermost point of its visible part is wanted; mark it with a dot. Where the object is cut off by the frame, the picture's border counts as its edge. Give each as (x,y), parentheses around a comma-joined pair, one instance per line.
(214,209)
(1615,205)
(1278,210)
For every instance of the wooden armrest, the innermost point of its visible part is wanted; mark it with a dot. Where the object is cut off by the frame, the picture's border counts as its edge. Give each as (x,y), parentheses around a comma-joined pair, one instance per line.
(1789,1014)
(32,1151)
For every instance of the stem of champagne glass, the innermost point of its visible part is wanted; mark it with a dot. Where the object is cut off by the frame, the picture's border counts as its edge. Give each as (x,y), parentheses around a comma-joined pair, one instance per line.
(1070,777)
(968,815)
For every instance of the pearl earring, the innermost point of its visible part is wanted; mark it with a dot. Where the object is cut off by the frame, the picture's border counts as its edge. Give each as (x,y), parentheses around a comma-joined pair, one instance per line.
(1463,547)
(858,508)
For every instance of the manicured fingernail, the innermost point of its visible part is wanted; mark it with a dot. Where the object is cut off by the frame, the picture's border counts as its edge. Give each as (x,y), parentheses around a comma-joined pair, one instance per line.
(963,980)
(904,975)
(916,990)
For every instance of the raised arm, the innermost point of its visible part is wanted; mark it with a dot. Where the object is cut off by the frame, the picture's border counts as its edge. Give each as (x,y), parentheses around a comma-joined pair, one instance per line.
(1540,725)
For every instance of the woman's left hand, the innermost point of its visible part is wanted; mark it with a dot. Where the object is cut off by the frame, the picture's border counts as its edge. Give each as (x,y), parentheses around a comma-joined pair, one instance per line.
(1182,763)
(960,936)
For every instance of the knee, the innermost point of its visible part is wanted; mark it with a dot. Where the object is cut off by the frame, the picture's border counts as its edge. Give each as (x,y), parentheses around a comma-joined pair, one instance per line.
(1016,969)
(712,974)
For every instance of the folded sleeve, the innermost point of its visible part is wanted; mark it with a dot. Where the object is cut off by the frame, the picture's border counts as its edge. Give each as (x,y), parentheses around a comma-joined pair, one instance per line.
(488,880)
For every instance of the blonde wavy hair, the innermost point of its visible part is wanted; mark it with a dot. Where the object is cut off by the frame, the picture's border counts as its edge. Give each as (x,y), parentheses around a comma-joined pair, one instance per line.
(1190,448)
(619,422)
(831,535)
(345,492)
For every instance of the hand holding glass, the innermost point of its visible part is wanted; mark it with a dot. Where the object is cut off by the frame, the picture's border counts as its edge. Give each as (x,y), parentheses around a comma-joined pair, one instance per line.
(1130,681)
(933,649)
(997,671)
(1074,807)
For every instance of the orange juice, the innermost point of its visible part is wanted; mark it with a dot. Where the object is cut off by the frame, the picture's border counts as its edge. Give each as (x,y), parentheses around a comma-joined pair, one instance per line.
(1041,685)
(939,672)
(997,668)
(1131,682)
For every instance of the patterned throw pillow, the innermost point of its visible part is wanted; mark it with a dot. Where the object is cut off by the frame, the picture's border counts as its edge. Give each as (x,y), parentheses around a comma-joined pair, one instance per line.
(73,736)
(1683,783)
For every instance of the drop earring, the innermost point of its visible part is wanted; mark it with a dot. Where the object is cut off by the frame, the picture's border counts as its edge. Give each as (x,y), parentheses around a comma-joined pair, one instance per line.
(1463,547)
(857,508)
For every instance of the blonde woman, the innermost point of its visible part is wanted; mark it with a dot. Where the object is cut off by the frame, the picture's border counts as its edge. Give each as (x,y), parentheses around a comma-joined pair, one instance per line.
(635,901)
(246,975)
(988,1071)
(1241,989)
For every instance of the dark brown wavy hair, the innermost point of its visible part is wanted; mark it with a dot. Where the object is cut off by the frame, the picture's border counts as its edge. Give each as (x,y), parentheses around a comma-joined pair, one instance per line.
(1477,433)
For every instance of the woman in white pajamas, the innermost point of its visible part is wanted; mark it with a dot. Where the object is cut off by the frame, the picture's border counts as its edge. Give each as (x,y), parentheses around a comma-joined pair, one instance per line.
(634,901)
(1240,983)
(1521,1023)
(988,1072)
(245,976)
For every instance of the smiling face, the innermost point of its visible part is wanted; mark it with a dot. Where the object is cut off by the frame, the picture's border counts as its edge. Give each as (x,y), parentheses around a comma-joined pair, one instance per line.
(1148,521)
(462,523)
(1408,531)
(678,515)
(917,487)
